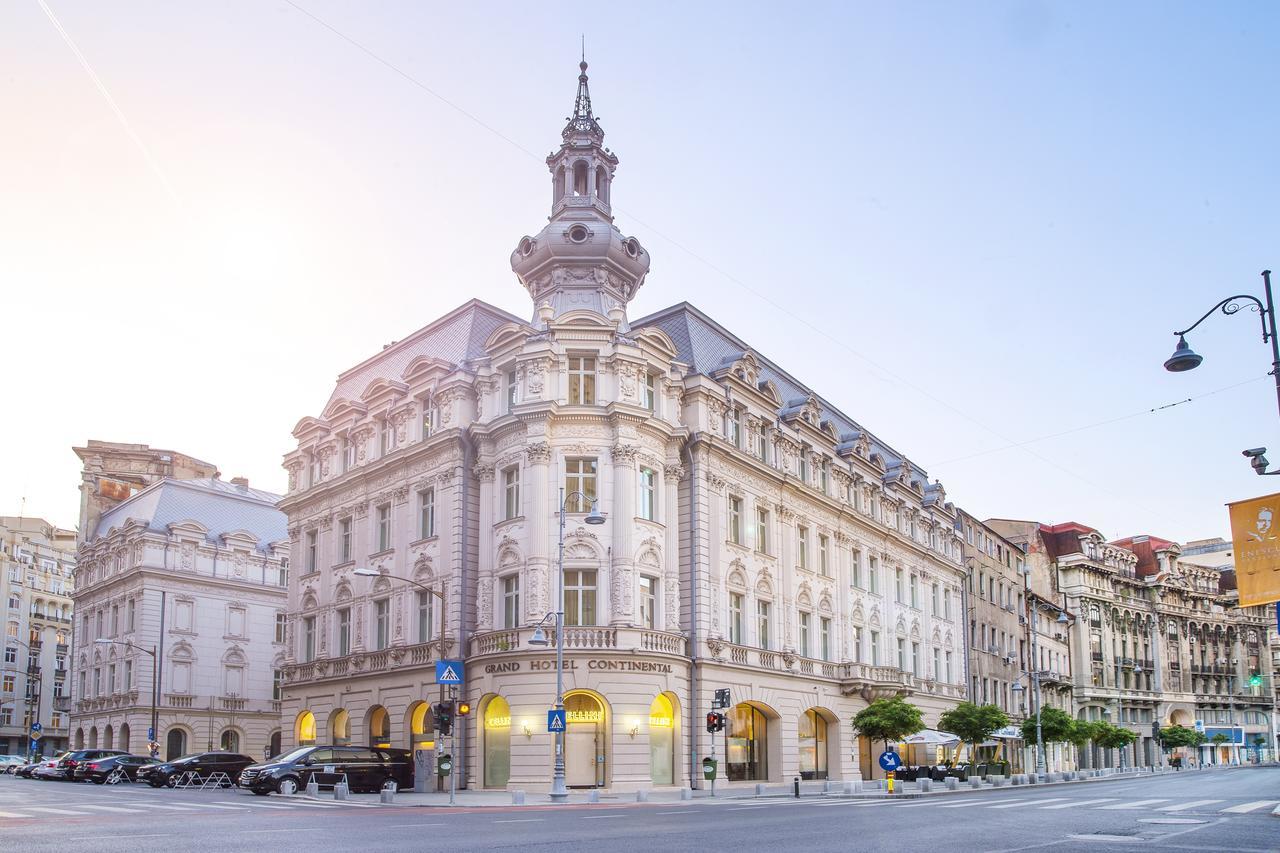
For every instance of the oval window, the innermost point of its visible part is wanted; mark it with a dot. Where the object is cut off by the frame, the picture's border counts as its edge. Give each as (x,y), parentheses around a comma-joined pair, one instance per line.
(579,233)
(633,247)
(526,247)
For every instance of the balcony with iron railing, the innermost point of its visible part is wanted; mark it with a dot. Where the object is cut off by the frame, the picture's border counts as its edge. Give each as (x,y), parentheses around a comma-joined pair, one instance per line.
(586,638)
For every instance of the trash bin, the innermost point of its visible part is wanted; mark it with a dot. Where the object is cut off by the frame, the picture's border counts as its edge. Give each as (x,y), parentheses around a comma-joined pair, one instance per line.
(444,765)
(709,769)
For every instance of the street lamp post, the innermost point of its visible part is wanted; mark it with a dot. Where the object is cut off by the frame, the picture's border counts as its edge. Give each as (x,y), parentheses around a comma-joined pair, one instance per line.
(155,724)
(33,696)
(1184,358)
(559,793)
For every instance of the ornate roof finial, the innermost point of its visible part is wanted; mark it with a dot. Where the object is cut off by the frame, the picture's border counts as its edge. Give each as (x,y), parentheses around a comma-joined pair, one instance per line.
(582,121)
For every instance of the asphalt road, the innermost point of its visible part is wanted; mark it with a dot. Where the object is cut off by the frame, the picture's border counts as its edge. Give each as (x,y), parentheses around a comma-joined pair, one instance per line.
(1210,811)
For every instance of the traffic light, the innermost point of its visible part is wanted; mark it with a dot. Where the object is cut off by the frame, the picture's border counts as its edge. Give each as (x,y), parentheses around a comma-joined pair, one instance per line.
(464,708)
(1255,680)
(715,721)
(443,712)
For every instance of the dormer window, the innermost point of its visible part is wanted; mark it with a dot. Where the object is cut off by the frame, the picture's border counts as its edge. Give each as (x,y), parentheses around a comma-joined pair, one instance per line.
(314,474)
(348,454)
(386,437)
(430,416)
(804,464)
(733,426)
(582,380)
(762,441)
(513,389)
(649,392)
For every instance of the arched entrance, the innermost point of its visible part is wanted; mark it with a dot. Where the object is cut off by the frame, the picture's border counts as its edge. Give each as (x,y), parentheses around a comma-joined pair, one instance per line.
(79,739)
(175,744)
(746,744)
(813,745)
(273,746)
(662,741)
(230,741)
(304,729)
(421,726)
(586,741)
(122,739)
(497,743)
(1181,717)
(93,737)
(108,738)
(340,727)
(379,727)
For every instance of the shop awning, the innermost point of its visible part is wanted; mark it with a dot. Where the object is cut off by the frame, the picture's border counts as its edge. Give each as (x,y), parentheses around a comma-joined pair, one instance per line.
(932,737)
(1008,733)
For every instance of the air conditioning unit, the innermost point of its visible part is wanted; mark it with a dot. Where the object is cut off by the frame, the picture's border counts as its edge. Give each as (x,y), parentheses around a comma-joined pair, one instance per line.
(1022,620)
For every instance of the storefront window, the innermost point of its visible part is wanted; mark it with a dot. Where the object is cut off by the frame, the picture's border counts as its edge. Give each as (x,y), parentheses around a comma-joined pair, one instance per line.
(379,727)
(746,745)
(813,746)
(497,743)
(306,728)
(662,719)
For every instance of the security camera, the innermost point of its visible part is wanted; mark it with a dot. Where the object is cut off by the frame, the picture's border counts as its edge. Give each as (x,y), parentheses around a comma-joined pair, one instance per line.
(1254,451)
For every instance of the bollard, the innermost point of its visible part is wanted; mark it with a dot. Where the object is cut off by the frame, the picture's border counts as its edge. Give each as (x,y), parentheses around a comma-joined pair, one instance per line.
(686,794)
(517,798)
(975,782)
(760,790)
(796,786)
(888,781)
(998,781)
(340,791)
(923,785)
(313,787)
(642,796)
(593,796)
(953,783)
(388,795)
(853,787)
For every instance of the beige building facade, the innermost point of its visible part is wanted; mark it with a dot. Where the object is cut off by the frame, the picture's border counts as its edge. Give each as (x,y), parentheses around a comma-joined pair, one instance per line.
(37,564)
(756,539)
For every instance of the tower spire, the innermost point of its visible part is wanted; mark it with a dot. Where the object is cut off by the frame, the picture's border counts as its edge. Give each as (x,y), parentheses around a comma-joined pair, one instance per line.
(582,121)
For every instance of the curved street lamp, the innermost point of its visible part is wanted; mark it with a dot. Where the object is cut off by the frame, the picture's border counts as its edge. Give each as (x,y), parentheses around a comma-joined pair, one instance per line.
(1184,358)
(559,793)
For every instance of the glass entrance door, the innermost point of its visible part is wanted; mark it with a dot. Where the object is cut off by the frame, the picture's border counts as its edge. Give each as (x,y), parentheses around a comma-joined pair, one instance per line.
(584,742)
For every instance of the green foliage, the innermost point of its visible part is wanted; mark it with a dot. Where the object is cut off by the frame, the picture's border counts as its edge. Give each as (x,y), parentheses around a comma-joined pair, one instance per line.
(1114,737)
(1084,731)
(1176,736)
(973,723)
(888,720)
(1054,722)
(1219,739)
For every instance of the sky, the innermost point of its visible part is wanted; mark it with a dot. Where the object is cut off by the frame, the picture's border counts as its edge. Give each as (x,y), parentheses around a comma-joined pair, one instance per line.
(971,226)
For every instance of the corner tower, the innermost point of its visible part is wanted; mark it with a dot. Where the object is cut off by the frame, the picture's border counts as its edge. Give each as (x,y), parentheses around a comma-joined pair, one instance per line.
(580,259)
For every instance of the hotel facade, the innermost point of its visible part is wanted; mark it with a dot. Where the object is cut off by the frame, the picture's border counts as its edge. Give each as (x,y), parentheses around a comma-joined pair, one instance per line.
(756,538)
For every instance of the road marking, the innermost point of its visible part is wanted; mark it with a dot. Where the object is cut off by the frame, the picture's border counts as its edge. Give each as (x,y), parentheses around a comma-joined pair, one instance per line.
(174,808)
(1075,803)
(13,814)
(301,805)
(54,811)
(679,811)
(1137,804)
(1013,803)
(97,837)
(522,820)
(744,808)
(1184,806)
(912,805)
(404,825)
(111,809)
(600,816)
(247,831)
(965,805)
(1249,807)
(257,805)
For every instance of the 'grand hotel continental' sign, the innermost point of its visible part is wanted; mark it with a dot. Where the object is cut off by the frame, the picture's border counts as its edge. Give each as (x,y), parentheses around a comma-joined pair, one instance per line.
(596,665)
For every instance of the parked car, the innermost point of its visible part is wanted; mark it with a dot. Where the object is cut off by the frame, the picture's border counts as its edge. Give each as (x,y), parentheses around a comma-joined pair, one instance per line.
(366,769)
(69,761)
(26,770)
(49,768)
(10,763)
(99,769)
(204,763)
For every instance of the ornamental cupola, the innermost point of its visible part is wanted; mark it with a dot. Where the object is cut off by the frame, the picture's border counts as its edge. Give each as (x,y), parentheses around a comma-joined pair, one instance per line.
(580,260)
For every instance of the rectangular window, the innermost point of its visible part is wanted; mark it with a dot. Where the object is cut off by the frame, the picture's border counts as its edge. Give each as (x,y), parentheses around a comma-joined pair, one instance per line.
(513,390)
(511,601)
(855,568)
(802,546)
(132,619)
(946,604)
(824,476)
(735,519)
(762,530)
(649,393)
(897,586)
(313,549)
(344,632)
(430,417)
(348,455)
(426,513)
(308,639)
(381,623)
(902,654)
(115,620)
(873,575)
(511,492)
(915,659)
(937,664)
(648,494)
(805,628)
(824,636)
(824,559)
(804,465)
(386,437)
(915,591)
(762,442)
(648,601)
(935,600)
(875,648)
(281,622)
(579,484)
(313,477)
(112,686)
(733,426)
(762,623)
(735,618)
(344,539)
(277,684)
(579,597)
(857,644)
(582,380)
(384,527)
(426,616)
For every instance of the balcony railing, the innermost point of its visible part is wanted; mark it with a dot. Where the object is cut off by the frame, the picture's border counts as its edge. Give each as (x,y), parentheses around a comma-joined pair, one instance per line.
(581,638)
(362,662)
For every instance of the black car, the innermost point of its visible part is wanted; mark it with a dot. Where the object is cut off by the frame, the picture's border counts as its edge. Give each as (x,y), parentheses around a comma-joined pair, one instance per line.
(365,768)
(202,763)
(99,769)
(68,763)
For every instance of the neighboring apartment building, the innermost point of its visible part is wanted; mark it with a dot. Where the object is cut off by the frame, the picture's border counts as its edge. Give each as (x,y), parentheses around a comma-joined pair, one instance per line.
(113,471)
(37,562)
(999,649)
(756,539)
(193,571)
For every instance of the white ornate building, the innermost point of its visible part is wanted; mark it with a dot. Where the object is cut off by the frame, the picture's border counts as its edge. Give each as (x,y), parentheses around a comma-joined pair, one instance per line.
(756,538)
(196,571)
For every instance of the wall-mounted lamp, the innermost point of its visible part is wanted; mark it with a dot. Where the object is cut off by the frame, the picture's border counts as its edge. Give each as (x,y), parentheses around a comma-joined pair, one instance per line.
(528,733)
(635,729)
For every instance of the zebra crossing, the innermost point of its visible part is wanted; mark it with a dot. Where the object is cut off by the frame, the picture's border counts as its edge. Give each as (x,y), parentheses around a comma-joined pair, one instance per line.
(18,810)
(1163,805)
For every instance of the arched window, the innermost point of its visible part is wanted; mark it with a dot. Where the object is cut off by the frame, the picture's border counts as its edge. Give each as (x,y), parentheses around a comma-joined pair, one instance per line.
(746,744)
(175,744)
(662,721)
(557,186)
(497,743)
(581,173)
(379,727)
(340,727)
(813,745)
(273,748)
(305,731)
(602,184)
(230,741)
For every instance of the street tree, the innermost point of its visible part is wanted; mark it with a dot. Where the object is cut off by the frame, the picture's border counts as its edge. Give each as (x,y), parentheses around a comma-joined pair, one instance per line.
(1174,737)
(888,720)
(1054,722)
(973,724)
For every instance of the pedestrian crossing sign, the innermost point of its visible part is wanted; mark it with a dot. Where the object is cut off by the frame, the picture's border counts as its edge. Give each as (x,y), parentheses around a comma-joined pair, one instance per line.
(555,720)
(448,672)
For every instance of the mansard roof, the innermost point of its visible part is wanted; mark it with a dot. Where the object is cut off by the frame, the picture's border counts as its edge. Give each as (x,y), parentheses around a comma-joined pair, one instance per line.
(707,347)
(455,338)
(221,508)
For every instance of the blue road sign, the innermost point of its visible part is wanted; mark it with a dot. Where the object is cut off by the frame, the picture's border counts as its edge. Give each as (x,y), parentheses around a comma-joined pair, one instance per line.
(36,727)
(448,672)
(151,733)
(889,760)
(555,720)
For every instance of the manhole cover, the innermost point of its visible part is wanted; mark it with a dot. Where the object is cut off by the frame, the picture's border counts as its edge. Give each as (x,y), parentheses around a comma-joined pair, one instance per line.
(1174,820)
